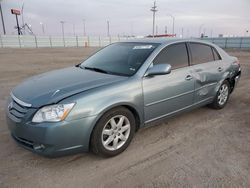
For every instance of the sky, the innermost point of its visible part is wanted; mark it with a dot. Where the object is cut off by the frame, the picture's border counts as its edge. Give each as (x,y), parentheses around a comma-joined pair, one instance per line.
(131,17)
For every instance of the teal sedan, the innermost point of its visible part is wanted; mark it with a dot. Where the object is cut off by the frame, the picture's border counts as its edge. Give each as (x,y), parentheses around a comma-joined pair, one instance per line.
(100,103)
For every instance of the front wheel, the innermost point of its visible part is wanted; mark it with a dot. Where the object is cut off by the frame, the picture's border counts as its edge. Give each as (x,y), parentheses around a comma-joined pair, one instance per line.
(113,132)
(222,96)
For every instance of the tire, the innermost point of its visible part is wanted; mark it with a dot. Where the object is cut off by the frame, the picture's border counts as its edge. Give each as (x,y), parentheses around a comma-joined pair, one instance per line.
(221,97)
(113,132)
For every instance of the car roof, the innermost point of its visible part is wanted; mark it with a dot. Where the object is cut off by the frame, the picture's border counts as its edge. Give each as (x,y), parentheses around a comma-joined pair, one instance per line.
(165,40)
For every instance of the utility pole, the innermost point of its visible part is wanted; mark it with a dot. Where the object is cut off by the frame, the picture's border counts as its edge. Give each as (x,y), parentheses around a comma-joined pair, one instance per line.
(4,31)
(108,34)
(84,27)
(182,32)
(62,22)
(156,30)
(154,10)
(166,30)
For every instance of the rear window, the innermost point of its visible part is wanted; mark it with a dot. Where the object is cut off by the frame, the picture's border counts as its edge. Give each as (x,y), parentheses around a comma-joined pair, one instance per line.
(201,53)
(216,55)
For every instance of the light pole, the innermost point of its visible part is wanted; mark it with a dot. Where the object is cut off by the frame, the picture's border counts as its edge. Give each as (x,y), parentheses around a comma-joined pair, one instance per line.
(17,24)
(166,29)
(132,29)
(4,31)
(74,31)
(108,34)
(84,27)
(23,25)
(173,18)
(43,31)
(154,10)
(200,29)
(62,22)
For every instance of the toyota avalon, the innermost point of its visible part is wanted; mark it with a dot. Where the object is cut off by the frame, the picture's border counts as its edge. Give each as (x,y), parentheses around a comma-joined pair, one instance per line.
(100,103)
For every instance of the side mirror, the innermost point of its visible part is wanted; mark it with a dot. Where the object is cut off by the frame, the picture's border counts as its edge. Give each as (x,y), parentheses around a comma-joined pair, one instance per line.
(159,69)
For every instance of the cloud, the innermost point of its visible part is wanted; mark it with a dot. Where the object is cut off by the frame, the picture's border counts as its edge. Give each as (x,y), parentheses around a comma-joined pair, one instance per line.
(224,16)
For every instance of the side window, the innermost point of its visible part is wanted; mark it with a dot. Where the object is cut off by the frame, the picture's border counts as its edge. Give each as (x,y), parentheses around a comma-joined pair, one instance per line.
(201,53)
(175,55)
(216,55)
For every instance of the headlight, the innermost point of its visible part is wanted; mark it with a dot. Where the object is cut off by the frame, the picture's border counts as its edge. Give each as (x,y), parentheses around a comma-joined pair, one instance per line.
(53,113)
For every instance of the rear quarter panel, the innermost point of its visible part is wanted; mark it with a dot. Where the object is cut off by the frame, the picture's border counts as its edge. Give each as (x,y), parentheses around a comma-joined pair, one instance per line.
(228,67)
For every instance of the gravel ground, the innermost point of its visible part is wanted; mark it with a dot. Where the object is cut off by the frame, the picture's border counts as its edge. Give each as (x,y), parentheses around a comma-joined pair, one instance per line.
(202,148)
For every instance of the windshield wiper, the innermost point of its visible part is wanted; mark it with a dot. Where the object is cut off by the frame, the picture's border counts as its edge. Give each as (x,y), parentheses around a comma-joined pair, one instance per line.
(97,69)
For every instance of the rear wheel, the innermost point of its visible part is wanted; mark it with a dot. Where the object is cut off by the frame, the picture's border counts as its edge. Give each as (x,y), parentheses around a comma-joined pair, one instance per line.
(222,96)
(113,132)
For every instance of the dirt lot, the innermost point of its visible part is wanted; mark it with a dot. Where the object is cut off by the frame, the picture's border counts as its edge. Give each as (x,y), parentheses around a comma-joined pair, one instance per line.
(202,148)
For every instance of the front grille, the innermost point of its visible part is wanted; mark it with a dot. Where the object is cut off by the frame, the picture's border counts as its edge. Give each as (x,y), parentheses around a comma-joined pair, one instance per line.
(17,110)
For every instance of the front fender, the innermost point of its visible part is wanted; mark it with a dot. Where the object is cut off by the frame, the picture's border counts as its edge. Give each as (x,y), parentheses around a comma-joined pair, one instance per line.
(98,101)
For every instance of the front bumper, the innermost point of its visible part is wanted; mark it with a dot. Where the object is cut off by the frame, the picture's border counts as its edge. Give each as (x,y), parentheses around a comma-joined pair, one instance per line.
(53,139)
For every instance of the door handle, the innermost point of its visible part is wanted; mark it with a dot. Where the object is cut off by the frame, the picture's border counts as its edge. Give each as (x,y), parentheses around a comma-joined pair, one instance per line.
(189,77)
(220,69)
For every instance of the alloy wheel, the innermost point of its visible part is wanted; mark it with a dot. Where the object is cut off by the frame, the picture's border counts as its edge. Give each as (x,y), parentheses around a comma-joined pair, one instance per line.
(223,94)
(116,132)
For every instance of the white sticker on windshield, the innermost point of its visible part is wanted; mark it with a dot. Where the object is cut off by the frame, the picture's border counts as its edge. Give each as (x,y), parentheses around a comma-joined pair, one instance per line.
(142,47)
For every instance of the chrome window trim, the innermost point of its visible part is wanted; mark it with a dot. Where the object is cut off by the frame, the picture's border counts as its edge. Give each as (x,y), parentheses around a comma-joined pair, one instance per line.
(19,101)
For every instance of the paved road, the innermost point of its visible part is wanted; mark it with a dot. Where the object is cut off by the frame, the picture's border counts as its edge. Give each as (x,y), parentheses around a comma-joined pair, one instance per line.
(202,148)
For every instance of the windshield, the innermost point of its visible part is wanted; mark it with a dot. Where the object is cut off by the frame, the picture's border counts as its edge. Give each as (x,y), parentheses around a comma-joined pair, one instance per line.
(123,58)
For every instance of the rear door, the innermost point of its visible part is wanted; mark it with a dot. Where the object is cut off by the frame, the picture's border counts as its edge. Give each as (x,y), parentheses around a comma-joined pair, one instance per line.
(206,69)
(167,94)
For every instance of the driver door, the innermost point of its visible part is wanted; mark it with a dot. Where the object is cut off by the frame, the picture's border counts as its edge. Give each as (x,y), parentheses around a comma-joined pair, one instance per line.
(167,94)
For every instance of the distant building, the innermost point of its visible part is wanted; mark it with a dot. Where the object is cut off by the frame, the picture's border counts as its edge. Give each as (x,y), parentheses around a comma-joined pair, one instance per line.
(163,35)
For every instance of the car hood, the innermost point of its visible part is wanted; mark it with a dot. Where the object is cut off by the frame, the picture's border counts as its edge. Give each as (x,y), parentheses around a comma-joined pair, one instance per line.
(54,86)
